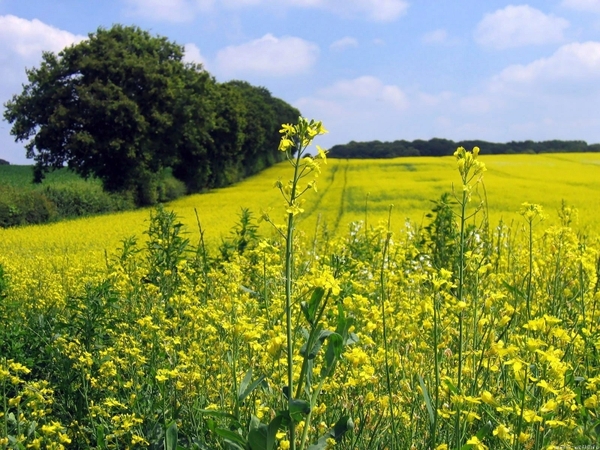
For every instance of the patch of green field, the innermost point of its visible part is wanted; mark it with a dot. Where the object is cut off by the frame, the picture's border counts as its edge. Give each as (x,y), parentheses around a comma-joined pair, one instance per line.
(22,177)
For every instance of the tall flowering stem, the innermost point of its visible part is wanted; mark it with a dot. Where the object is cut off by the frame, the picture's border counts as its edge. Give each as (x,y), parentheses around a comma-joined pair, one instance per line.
(471,173)
(295,141)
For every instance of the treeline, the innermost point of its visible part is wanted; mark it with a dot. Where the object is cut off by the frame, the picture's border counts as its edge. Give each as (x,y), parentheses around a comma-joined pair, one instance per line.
(446,147)
(122,106)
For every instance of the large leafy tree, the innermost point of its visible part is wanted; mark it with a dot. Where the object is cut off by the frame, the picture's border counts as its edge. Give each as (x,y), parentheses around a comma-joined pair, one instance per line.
(121,106)
(264,116)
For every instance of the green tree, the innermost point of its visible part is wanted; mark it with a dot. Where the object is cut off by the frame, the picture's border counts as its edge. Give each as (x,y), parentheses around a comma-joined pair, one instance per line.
(264,116)
(121,106)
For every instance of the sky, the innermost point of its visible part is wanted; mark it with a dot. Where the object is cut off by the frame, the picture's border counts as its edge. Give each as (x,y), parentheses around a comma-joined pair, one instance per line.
(368,69)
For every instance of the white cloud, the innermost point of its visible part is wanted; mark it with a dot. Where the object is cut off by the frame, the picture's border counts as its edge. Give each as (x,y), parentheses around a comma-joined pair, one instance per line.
(583,5)
(192,54)
(269,55)
(186,10)
(344,43)
(28,38)
(517,26)
(380,10)
(439,37)
(364,108)
(171,11)
(22,42)
(367,89)
(571,63)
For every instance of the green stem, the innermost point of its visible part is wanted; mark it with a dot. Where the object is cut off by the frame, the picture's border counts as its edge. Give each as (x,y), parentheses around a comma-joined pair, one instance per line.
(520,423)
(529,278)
(313,400)
(289,254)
(383,317)
(461,279)
(437,372)
(315,330)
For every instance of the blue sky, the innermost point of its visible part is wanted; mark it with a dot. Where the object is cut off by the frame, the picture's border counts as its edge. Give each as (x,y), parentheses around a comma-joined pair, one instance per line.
(369,69)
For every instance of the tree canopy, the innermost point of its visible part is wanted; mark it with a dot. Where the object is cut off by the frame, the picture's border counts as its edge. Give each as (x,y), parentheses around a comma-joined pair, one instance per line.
(446,147)
(122,106)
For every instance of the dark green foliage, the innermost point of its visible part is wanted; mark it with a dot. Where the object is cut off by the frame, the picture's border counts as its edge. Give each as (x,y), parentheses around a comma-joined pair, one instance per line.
(445,147)
(243,237)
(116,106)
(79,200)
(62,195)
(122,107)
(439,237)
(264,115)
(22,208)
(4,162)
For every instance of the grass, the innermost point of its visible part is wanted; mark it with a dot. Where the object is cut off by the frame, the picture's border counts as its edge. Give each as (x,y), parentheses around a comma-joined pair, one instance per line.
(22,177)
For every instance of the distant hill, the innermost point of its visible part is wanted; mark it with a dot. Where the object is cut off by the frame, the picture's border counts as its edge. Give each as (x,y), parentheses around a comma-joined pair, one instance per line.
(446,147)
(4,162)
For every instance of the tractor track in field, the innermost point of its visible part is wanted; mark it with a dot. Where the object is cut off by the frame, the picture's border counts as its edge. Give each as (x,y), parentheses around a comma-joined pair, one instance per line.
(342,198)
(322,192)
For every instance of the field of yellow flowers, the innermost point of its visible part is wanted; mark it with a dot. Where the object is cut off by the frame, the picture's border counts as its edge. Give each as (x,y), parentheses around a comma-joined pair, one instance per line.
(354,330)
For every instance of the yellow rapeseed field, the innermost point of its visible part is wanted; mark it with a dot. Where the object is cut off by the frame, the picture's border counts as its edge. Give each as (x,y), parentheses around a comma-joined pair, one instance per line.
(433,333)
(346,190)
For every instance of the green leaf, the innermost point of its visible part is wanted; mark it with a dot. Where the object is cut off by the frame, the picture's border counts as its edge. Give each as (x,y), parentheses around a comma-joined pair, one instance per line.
(272,431)
(485,430)
(310,309)
(427,400)
(231,436)
(257,436)
(341,427)
(261,436)
(171,437)
(100,440)
(245,383)
(318,343)
(246,388)
(216,413)
(335,347)
(451,386)
(299,408)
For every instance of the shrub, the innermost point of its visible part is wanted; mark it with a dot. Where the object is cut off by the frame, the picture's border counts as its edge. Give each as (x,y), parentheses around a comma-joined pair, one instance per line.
(22,208)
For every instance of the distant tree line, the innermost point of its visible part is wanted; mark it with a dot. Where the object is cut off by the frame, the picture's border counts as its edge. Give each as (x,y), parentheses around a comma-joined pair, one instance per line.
(446,147)
(123,106)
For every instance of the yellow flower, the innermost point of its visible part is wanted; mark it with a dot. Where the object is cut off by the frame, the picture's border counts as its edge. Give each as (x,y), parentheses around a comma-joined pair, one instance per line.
(503,432)
(488,398)
(591,402)
(476,444)
(322,153)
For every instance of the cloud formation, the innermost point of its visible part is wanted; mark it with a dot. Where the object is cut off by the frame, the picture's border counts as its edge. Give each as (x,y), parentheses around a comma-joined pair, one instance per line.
(268,56)
(22,42)
(576,62)
(192,55)
(27,39)
(582,5)
(186,10)
(438,37)
(518,26)
(171,11)
(344,43)
(366,89)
